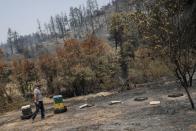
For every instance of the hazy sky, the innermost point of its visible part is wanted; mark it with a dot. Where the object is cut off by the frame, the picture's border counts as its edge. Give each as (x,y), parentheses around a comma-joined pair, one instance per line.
(22,15)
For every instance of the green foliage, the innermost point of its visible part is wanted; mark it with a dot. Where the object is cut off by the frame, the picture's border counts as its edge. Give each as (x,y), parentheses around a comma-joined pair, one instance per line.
(24,72)
(4,79)
(124,30)
(80,67)
(171,33)
(95,64)
(48,67)
(170,30)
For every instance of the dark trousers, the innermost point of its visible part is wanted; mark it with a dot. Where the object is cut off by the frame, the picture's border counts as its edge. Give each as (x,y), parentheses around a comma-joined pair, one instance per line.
(39,106)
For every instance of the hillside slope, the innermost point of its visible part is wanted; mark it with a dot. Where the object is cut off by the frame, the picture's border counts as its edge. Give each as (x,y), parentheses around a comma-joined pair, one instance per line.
(173,114)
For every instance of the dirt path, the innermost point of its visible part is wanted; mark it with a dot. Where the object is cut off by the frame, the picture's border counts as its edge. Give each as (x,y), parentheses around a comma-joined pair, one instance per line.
(171,115)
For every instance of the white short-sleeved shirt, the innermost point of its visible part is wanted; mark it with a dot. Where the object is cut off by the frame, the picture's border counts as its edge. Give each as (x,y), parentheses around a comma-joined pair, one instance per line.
(38,94)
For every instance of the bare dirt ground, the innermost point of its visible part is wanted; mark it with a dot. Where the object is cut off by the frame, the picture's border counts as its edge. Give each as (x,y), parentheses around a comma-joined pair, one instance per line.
(173,114)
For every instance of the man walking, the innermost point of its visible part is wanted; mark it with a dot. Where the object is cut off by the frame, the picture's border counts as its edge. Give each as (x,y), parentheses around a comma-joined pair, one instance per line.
(38,99)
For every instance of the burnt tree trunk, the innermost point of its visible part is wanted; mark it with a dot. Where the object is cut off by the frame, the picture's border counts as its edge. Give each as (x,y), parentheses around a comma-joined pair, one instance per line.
(189,96)
(185,83)
(123,64)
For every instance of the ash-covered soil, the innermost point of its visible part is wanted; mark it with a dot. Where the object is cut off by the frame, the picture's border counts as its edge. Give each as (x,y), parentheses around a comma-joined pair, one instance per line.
(173,114)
